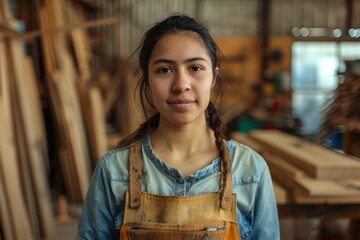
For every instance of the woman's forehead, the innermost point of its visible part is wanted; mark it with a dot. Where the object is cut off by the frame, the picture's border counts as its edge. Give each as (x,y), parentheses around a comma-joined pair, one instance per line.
(180,44)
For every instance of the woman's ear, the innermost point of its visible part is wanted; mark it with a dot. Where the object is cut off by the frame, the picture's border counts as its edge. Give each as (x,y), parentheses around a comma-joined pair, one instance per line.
(215,76)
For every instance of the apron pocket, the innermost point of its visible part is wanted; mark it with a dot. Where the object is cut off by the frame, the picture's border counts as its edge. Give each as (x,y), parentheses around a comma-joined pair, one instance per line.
(195,231)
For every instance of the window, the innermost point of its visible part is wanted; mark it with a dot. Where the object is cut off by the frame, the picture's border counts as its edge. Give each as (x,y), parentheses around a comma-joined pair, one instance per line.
(315,68)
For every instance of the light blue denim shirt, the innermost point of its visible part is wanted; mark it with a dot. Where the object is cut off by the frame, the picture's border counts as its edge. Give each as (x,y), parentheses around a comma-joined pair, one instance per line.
(103,211)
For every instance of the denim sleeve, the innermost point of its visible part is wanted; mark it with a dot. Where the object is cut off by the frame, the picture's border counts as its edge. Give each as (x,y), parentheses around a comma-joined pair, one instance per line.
(266,220)
(97,217)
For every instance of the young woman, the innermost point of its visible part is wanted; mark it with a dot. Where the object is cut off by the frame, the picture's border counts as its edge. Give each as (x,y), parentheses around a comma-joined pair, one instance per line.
(177,177)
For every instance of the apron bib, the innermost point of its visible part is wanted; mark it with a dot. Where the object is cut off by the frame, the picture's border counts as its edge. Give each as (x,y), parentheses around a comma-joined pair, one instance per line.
(154,217)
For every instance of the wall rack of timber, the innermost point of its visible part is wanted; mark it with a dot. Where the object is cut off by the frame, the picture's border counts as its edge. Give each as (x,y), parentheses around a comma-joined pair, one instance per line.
(27,208)
(309,180)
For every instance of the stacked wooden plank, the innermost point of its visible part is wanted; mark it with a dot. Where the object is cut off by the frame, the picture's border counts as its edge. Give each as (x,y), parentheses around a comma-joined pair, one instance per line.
(280,191)
(76,102)
(90,96)
(15,219)
(26,211)
(77,107)
(61,86)
(309,172)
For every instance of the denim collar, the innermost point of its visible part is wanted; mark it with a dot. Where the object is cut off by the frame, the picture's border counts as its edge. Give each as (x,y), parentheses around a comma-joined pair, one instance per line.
(172,173)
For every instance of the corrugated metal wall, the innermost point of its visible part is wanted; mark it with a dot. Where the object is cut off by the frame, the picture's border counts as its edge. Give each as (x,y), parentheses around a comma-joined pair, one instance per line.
(223,17)
(138,15)
(287,14)
(356,15)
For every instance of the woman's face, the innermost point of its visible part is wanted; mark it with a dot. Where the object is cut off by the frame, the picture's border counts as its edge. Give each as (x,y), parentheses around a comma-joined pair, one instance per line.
(180,78)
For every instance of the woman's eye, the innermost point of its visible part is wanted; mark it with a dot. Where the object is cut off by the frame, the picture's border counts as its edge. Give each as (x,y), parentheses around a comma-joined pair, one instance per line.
(164,70)
(195,68)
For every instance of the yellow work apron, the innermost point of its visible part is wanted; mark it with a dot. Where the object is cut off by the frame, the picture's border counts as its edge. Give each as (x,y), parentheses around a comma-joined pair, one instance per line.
(152,217)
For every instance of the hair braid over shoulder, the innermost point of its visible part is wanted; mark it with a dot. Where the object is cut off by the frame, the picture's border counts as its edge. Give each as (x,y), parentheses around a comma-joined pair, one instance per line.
(216,125)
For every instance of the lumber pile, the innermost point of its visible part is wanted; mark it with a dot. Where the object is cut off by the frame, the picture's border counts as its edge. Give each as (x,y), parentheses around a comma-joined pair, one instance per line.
(308,172)
(76,103)
(24,191)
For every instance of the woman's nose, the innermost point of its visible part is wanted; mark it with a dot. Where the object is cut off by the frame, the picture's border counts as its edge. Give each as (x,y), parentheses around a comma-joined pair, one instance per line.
(181,82)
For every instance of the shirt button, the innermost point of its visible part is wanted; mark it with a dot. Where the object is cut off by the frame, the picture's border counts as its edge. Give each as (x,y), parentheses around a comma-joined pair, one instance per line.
(180,180)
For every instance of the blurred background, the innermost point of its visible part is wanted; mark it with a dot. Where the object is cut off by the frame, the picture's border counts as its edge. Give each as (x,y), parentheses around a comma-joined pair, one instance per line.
(291,74)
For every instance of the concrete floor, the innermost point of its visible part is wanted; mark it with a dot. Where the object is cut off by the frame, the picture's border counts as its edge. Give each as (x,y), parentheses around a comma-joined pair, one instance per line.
(65,231)
(66,221)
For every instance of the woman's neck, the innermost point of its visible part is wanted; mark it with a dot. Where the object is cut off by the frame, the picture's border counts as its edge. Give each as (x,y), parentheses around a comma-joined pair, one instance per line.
(185,137)
(179,146)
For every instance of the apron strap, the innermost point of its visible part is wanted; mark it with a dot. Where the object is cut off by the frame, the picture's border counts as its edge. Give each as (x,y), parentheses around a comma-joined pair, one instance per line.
(135,171)
(226,185)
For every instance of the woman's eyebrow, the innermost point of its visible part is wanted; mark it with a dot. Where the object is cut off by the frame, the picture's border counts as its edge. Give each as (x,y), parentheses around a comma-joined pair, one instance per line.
(165,60)
(195,59)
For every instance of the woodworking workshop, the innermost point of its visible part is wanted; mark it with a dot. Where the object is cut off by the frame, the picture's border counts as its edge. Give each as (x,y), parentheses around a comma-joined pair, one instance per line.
(180,119)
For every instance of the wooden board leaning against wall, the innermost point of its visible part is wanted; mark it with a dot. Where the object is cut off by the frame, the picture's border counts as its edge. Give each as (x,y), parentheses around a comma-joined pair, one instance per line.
(17,221)
(23,152)
(31,115)
(75,99)
(23,144)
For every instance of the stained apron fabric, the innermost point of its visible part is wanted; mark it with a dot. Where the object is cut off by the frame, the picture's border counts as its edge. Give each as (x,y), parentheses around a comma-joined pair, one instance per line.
(204,216)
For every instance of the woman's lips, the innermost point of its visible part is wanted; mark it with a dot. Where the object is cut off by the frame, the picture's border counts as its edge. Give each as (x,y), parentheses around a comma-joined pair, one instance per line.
(181,103)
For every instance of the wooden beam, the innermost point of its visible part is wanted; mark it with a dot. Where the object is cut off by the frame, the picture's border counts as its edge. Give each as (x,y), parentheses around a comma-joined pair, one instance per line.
(279,166)
(315,160)
(37,160)
(13,33)
(9,166)
(328,188)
